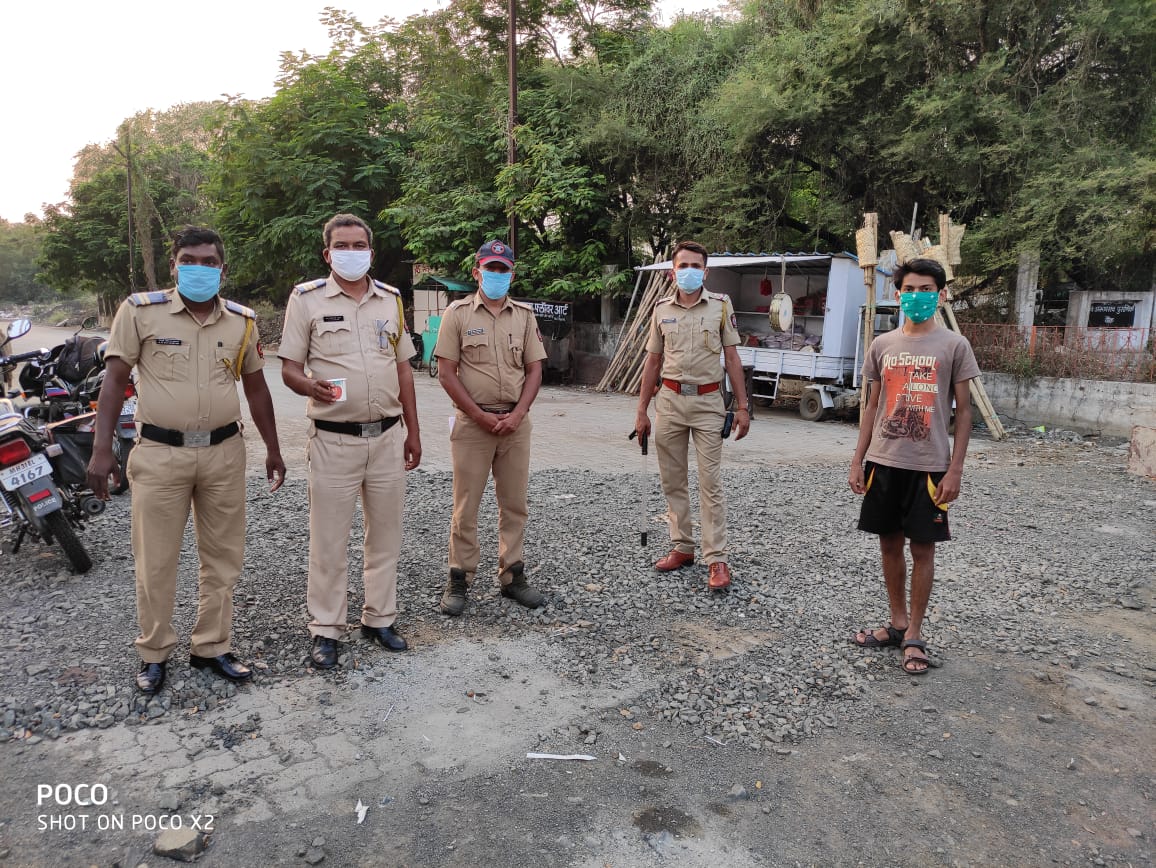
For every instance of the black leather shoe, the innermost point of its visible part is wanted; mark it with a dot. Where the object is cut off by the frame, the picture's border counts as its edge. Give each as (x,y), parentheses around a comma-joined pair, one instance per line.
(384,636)
(151,677)
(225,665)
(324,652)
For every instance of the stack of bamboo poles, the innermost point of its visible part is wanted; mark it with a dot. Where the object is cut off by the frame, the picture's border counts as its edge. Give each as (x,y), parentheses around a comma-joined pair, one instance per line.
(947,254)
(624,374)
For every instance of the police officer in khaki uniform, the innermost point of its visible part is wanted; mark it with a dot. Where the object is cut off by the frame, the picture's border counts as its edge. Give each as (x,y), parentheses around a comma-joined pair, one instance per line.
(687,332)
(490,356)
(349,330)
(190,349)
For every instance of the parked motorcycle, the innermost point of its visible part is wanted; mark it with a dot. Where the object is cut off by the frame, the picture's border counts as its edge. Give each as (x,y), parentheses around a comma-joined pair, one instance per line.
(33,498)
(65,382)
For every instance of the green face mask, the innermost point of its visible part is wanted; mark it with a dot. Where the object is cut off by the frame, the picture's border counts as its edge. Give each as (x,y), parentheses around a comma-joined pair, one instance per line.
(919,306)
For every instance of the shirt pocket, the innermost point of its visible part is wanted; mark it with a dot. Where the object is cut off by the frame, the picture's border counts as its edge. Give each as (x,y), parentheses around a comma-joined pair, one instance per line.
(672,336)
(517,352)
(712,340)
(226,357)
(170,362)
(333,338)
(476,349)
(386,336)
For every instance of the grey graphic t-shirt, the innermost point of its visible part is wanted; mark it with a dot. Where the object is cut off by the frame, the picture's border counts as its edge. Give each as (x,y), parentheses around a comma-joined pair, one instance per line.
(917,374)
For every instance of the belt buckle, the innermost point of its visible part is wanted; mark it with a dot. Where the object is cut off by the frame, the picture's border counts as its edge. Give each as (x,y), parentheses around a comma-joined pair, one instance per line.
(197,438)
(372,429)
(687,389)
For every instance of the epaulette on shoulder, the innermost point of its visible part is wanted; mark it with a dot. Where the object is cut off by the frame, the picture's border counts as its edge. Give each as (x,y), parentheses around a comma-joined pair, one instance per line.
(460,302)
(382,285)
(140,299)
(310,285)
(523,304)
(667,300)
(720,296)
(246,312)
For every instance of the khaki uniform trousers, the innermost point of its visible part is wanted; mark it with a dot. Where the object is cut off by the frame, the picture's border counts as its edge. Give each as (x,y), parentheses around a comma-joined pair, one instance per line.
(166,481)
(341,467)
(677,418)
(475,453)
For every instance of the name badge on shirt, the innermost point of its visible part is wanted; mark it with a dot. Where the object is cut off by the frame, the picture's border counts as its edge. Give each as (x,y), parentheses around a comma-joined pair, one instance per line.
(471,332)
(671,319)
(337,318)
(169,342)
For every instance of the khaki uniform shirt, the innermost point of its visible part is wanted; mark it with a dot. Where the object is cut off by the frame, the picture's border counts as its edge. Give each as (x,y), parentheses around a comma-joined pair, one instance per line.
(491,351)
(182,365)
(361,342)
(691,338)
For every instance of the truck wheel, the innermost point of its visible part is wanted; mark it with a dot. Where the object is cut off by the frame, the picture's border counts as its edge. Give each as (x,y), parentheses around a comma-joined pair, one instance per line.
(62,532)
(811,406)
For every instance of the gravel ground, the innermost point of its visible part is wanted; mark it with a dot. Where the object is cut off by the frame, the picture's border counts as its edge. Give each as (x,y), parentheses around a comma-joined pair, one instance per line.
(764,666)
(739,730)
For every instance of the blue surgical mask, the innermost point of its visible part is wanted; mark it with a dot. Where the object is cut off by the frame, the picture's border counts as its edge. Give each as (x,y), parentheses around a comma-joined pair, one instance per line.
(495,284)
(689,279)
(919,306)
(198,282)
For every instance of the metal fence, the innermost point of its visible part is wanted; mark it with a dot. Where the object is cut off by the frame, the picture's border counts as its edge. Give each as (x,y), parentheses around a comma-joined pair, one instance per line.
(1121,354)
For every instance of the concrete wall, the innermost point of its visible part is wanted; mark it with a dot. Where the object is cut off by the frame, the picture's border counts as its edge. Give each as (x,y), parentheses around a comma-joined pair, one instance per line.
(1087,406)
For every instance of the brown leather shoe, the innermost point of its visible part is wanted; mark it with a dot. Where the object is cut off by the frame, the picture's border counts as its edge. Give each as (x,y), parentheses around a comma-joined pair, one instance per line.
(719,577)
(675,560)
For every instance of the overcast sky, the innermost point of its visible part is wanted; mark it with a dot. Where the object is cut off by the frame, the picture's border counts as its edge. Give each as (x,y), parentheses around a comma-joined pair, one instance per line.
(72,71)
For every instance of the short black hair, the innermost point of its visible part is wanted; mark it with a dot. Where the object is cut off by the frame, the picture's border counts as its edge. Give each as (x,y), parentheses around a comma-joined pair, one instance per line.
(693,247)
(194,236)
(339,220)
(926,267)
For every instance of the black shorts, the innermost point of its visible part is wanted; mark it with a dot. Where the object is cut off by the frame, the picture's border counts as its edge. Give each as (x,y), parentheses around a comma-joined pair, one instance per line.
(900,501)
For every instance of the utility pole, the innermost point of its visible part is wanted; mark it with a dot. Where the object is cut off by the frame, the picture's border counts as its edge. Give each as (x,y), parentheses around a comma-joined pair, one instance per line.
(512,73)
(128,184)
(127,154)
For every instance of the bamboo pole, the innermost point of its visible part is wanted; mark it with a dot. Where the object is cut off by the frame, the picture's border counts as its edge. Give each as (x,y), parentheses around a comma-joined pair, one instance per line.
(865,243)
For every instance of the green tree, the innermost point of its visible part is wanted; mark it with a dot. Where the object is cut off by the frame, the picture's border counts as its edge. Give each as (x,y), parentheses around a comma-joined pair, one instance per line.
(332,139)
(86,245)
(19,250)
(1031,121)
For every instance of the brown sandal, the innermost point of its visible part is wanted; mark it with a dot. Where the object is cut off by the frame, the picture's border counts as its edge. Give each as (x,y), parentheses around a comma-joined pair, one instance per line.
(921,658)
(894,637)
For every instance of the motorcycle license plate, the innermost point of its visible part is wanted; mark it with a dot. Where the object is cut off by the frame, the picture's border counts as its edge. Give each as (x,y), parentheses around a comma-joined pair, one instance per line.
(129,408)
(21,474)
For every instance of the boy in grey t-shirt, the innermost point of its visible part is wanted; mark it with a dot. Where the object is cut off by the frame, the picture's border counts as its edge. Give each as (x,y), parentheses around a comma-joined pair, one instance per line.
(912,474)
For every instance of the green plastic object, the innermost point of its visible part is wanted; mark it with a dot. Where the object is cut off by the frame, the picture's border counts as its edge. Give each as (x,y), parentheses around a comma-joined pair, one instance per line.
(429,338)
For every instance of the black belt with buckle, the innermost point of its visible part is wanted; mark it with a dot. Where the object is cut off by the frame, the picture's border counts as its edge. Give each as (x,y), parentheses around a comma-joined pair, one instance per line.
(188,438)
(358,429)
(498,410)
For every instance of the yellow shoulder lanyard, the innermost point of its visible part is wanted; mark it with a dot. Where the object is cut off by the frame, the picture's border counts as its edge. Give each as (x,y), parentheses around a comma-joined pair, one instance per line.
(235,366)
(400,322)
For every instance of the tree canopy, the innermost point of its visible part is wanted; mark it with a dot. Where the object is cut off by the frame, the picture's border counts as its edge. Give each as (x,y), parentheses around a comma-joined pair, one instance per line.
(771,128)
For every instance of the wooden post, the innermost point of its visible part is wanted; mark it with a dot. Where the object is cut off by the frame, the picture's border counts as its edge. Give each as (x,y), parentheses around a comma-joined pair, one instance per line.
(865,243)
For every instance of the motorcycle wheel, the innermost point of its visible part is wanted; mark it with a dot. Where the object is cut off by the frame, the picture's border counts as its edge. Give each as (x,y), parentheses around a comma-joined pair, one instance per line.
(433,366)
(125,448)
(63,533)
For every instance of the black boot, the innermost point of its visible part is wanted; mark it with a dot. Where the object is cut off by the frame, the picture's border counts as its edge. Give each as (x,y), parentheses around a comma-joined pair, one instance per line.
(454,596)
(519,591)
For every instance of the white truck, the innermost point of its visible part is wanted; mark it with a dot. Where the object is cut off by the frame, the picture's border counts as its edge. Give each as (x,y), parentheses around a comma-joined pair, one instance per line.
(800,316)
